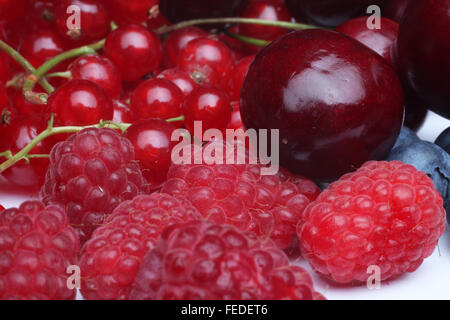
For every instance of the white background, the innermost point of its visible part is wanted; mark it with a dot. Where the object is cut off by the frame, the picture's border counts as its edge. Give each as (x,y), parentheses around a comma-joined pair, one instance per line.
(430,281)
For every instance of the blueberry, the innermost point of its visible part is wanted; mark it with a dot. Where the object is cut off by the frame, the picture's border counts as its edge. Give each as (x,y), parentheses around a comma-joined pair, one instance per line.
(444,140)
(426,157)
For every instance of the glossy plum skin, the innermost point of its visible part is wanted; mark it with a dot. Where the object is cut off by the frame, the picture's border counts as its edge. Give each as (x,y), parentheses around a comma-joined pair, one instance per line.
(329,13)
(176,10)
(336,103)
(379,40)
(421,54)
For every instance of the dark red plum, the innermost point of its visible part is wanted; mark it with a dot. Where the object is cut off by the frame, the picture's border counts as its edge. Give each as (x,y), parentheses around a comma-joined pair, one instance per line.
(421,54)
(336,103)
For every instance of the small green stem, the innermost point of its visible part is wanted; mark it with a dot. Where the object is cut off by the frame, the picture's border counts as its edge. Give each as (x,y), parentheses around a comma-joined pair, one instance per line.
(39,73)
(25,64)
(180,118)
(188,23)
(62,74)
(245,39)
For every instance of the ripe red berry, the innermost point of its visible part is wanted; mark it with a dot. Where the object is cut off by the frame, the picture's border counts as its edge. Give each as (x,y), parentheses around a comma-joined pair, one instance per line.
(208,61)
(2,208)
(236,120)
(25,108)
(238,76)
(40,14)
(206,261)
(111,258)
(37,244)
(238,194)
(156,98)
(122,112)
(135,50)
(4,70)
(152,144)
(39,46)
(93,16)
(131,11)
(16,137)
(386,214)
(267,10)
(91,173)
(80,102)
(100,70)
(379,40)
(180,78)
(209,105)
(177,40)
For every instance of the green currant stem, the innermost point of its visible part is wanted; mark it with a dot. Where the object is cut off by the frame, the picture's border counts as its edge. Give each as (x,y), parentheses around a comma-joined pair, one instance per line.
(25,64)
(50,131)
(62,74)
(245,39)
(31,80)
(180,118)
(188,23)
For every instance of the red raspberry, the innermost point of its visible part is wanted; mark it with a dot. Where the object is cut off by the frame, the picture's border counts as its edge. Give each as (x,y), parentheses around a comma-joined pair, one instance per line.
(111,258)
(206,261)
(386,214)
(37,244)
(89,175)
(269,205)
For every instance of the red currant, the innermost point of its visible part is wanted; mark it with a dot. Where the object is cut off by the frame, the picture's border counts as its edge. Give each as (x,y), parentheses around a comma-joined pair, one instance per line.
(40,14)
(100,70)
(156,19)
(209,105)
(180,78)
(208,61)
(135,50)
(177,40)
(25,108)
(19,134)
(80,102)
(94,20)
(122,112)
(157,98)
(267,10)
(39,46)
(152,146)
(236,120)
(131,11)
(238,76)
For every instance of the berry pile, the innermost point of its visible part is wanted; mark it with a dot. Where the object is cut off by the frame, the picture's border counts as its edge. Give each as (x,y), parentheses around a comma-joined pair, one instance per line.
(99,101)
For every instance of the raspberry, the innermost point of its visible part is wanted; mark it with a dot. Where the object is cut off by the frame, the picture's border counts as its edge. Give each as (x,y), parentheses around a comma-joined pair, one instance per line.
(201,260)
(111,258)
(386,214)
(89,175)
(37,244)
(269,205)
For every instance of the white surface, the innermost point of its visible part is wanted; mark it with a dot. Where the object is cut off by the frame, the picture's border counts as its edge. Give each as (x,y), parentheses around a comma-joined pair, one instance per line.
(430,281)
